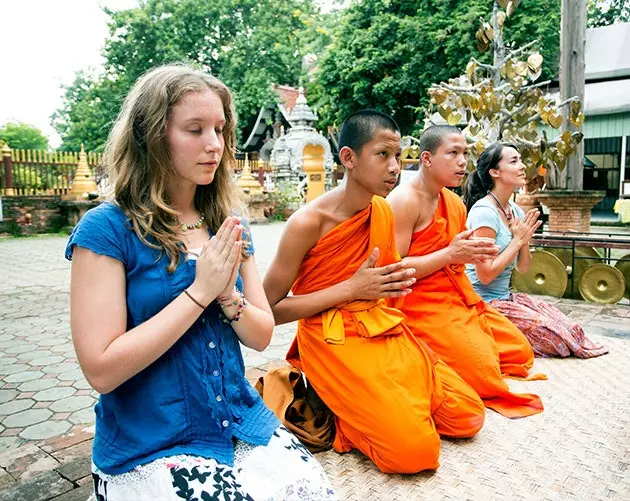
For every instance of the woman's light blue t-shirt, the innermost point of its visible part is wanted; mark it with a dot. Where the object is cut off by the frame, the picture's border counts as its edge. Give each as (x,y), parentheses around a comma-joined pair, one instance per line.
(485,213)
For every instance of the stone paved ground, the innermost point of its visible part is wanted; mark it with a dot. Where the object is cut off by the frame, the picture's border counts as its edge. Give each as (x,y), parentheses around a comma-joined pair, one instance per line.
(46,417)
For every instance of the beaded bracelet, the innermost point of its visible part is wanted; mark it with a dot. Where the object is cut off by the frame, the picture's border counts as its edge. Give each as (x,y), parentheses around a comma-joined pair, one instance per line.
(240,302)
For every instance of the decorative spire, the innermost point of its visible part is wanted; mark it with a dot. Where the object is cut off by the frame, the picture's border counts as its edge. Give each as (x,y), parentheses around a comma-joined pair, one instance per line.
(83,182)
(302,113)
(247,182)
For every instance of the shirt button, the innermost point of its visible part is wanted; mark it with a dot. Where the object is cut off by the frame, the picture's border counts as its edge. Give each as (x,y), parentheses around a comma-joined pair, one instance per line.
(225,423)
(215,373)
(203,320)
(211,345)
(219,398)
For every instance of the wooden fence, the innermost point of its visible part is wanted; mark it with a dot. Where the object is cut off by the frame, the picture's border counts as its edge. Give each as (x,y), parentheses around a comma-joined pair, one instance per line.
(36,172)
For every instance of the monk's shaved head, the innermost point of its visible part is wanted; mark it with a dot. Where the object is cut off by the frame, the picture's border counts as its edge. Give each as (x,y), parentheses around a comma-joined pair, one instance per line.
(432,138)
(359,128)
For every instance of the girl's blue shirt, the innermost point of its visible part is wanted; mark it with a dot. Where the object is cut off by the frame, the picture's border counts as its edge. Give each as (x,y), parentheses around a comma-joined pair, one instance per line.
(195,398)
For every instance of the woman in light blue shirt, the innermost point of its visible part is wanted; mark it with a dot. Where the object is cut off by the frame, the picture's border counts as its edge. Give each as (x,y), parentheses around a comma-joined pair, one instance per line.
(499,172)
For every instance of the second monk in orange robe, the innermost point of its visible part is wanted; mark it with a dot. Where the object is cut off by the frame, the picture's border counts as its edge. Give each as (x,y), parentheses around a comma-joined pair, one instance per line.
(443,309)
(390,394)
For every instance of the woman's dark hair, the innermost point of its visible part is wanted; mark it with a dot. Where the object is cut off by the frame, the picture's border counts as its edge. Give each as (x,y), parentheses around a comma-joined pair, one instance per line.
(479,181)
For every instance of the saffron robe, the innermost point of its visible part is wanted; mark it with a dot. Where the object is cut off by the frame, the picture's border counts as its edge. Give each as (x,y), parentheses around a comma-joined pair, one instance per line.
(390,394)
(444,310)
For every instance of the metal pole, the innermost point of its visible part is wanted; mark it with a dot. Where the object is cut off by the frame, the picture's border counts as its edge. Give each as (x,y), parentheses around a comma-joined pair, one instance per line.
(622,164)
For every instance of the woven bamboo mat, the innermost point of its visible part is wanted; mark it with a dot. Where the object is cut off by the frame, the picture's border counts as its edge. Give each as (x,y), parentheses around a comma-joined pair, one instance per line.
(578,448)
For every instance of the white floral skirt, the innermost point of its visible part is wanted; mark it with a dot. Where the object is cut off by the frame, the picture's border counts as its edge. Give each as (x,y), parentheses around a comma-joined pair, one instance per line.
(281,470)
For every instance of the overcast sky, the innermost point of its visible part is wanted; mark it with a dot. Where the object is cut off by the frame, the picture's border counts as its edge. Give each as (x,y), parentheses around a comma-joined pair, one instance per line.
(44,42)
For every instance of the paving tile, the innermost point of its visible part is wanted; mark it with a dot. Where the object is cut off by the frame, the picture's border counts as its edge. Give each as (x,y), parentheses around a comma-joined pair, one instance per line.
(73,375)
(76,435)
(27,394)
(53,394)
(30,464)
(77,451)
(16,350)
(53,341)
(83,416)
(37,385)
(59,368)
(10,456)
(81,493)
(52,359)
(26,418)
(6,395)
(7,443)
(11,432)
(15,406)
(45,429)
(82,384)
(41,405)
(13,369)
(39,488)
(21,377)
(6,480)
(27,357)
(75,469)
(71,404)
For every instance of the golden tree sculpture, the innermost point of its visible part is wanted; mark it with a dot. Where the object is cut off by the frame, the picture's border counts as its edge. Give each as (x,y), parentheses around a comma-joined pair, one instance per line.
(502,102)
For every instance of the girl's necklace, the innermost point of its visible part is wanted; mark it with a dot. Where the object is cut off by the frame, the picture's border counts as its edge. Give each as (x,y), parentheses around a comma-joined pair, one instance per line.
(197,224)
(508,216)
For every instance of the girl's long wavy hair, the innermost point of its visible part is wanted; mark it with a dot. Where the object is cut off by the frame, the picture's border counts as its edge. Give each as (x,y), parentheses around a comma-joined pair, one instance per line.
(480,181)
(138,159)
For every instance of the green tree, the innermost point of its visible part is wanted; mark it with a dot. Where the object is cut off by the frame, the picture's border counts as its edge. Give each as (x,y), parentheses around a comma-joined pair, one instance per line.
(21,136)
(607,12)
(249,44)
(386,53)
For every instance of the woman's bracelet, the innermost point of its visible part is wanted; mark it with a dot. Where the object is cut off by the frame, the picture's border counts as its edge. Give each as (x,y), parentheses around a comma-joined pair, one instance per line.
(194,300)
(240,302)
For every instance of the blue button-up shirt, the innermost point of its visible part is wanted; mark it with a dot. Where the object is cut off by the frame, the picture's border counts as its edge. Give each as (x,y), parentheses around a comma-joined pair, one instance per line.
(194,399)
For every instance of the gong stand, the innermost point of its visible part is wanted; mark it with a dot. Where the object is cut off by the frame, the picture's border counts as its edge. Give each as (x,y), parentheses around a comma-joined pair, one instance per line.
(591,275)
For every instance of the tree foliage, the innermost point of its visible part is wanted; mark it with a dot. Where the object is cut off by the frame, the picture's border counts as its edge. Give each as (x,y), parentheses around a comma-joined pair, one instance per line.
(249,44)
(21,136)
(607,12)
(502,101)
(386,53)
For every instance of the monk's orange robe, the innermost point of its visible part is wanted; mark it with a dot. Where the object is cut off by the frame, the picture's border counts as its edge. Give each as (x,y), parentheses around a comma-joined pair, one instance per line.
(471,337)
(390,394)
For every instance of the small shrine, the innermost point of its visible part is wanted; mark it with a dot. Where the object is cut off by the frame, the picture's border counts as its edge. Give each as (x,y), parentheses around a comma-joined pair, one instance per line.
(287,154)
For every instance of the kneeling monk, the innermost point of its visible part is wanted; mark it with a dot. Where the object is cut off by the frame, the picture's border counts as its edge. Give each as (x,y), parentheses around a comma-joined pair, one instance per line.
(391,396)
(443,309)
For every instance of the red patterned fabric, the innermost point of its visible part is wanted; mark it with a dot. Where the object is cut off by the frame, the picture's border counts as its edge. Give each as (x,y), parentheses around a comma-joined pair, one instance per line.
(550,332)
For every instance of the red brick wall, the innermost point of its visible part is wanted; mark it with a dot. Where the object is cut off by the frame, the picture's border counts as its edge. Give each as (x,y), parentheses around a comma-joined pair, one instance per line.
(26,215)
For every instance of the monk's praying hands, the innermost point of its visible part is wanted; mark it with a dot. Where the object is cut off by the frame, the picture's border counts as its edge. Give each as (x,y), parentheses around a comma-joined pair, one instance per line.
(370,282)
(465,248)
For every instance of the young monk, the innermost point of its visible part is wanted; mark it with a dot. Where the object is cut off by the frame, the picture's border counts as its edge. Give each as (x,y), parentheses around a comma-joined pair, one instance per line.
(390,394)
(443,309)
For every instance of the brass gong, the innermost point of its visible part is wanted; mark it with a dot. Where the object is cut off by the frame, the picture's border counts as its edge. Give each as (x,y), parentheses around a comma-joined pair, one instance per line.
(602,283)
(579,267)
(546,276)
(624,267)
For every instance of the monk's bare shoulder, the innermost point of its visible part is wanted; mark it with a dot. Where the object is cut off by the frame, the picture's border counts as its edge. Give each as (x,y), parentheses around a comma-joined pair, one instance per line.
(404,202)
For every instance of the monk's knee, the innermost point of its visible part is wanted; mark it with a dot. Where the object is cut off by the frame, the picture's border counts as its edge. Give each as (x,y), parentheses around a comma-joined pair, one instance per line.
(410,452)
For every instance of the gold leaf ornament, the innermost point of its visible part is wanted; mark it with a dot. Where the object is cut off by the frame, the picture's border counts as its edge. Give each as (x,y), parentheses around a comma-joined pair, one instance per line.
(471,68)
(501,18)
(555,120)
(454,118)
(534,61)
